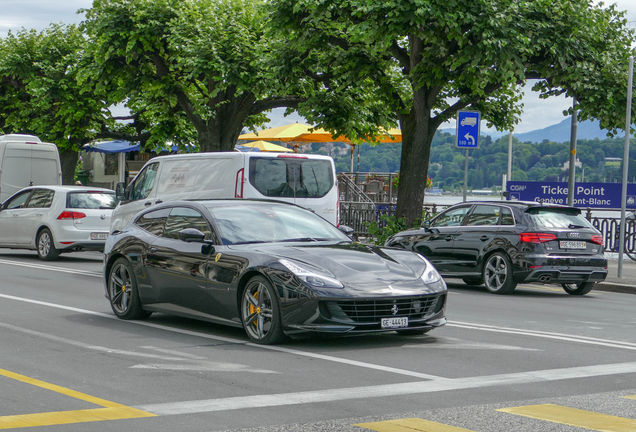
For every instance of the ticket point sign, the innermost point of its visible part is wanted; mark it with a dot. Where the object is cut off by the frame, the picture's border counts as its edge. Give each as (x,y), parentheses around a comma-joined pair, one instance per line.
(593,195)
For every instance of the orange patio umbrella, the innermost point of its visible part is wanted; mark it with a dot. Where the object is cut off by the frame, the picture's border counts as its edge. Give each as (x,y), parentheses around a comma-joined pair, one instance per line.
(267,147)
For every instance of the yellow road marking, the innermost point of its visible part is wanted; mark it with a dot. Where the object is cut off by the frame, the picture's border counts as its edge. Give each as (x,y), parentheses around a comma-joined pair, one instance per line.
(110,410)
(574,417)
(410,425)
(630,397)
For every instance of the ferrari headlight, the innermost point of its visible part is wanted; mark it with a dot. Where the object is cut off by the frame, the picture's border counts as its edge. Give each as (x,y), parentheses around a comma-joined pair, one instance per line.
(432,278)
(311,278)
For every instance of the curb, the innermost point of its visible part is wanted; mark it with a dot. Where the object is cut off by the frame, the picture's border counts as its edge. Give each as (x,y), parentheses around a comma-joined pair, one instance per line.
(615,287)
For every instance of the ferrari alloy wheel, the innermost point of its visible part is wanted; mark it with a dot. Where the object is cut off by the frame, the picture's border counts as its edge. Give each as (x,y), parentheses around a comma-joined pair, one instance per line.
(580,288)
(498,274)
(46,247)
(260,312)
(122,291)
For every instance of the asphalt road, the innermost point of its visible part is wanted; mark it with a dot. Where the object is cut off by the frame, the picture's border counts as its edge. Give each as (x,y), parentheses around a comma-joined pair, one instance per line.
(537,360)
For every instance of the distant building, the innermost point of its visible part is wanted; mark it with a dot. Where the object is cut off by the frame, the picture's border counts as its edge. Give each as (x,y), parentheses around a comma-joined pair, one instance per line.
(613,161)
(578,164)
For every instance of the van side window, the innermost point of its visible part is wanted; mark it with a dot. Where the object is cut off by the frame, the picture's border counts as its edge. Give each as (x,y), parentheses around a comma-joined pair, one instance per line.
(18,201)
(41,198)
(182,218)
(153,221)
(145,182)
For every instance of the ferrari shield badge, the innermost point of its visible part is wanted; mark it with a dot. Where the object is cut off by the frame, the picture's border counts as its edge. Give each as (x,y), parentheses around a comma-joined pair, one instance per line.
(217,257)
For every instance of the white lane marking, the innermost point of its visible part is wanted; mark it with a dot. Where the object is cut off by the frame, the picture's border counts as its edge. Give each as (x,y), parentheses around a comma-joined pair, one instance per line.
(383,391)
(232,341)
(201,364)
(539,334)
(51,268)
(546,335)
(454,343)
(173,352)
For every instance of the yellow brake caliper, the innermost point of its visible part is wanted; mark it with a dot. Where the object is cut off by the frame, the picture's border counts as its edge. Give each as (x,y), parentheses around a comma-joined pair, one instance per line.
(254,309)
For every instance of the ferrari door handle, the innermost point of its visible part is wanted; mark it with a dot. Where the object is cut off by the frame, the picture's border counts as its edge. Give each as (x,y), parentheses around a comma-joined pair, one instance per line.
(484,238)
(152,250)
(449,238)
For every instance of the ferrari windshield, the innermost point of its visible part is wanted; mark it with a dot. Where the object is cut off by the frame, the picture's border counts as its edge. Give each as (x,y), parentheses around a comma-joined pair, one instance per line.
(265,222)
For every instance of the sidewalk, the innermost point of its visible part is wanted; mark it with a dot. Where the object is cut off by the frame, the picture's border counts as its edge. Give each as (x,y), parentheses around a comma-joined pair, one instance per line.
(626,284)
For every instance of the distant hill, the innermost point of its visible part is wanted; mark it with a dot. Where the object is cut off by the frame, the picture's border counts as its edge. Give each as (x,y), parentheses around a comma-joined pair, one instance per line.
(560,132)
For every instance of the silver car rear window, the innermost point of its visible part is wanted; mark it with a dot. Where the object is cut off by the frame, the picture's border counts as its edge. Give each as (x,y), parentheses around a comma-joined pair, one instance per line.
(91,200)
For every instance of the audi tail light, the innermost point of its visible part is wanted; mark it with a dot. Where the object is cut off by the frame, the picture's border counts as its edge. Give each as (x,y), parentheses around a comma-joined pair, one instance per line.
(536,237)
(598,239)
(238,189)
(66,214)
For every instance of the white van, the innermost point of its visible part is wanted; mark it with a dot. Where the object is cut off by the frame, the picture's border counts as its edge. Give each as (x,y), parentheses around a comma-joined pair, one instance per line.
(27,161)
(307,180)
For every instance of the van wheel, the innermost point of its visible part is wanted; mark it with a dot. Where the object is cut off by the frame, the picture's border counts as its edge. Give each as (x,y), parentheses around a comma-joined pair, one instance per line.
(46,247)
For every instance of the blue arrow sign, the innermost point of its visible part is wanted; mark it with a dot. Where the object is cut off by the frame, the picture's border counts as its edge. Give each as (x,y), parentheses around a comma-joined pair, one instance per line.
(468,129)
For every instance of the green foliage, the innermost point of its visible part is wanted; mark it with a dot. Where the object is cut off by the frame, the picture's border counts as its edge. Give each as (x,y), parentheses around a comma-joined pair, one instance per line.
(199,69)
(418,62)
(39,90)
(390,225)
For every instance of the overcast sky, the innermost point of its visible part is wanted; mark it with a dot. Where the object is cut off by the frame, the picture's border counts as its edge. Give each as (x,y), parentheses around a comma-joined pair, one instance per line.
(38,14)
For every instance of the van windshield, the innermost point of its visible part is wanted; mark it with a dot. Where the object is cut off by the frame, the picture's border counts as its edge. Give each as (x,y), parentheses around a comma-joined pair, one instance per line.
(291,177)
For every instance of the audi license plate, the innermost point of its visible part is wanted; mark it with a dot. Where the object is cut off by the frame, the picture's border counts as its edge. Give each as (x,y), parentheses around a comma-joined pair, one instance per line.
(573,245)
(397,322)
(99,236)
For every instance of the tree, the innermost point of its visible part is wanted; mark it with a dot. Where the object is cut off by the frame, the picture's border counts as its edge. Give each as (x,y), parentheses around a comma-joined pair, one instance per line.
(428,59)
(40,95)
(199,68)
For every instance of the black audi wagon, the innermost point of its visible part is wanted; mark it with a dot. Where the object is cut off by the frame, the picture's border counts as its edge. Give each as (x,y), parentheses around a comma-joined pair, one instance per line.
(501,244)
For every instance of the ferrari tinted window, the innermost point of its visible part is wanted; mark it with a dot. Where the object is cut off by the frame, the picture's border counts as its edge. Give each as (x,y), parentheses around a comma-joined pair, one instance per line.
(41,198)
(272,223)
(153,221)
(291,177)
(182,218)
(484,215)
(452,217)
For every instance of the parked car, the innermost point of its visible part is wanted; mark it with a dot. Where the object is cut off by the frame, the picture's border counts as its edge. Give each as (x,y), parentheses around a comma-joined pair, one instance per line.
(27,161)
(273,268)
(503,244)
(303,179)
(56,219)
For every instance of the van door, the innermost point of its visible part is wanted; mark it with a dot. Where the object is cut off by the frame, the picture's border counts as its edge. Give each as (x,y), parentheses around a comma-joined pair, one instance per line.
(301,179)
(45,165)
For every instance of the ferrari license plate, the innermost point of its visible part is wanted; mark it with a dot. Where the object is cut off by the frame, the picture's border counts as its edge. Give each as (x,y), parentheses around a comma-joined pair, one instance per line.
(397,322)
(99,236)
(572,245)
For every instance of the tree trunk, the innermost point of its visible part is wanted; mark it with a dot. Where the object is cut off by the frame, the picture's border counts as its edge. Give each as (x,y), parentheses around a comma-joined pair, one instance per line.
(417,138)
(68,159)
